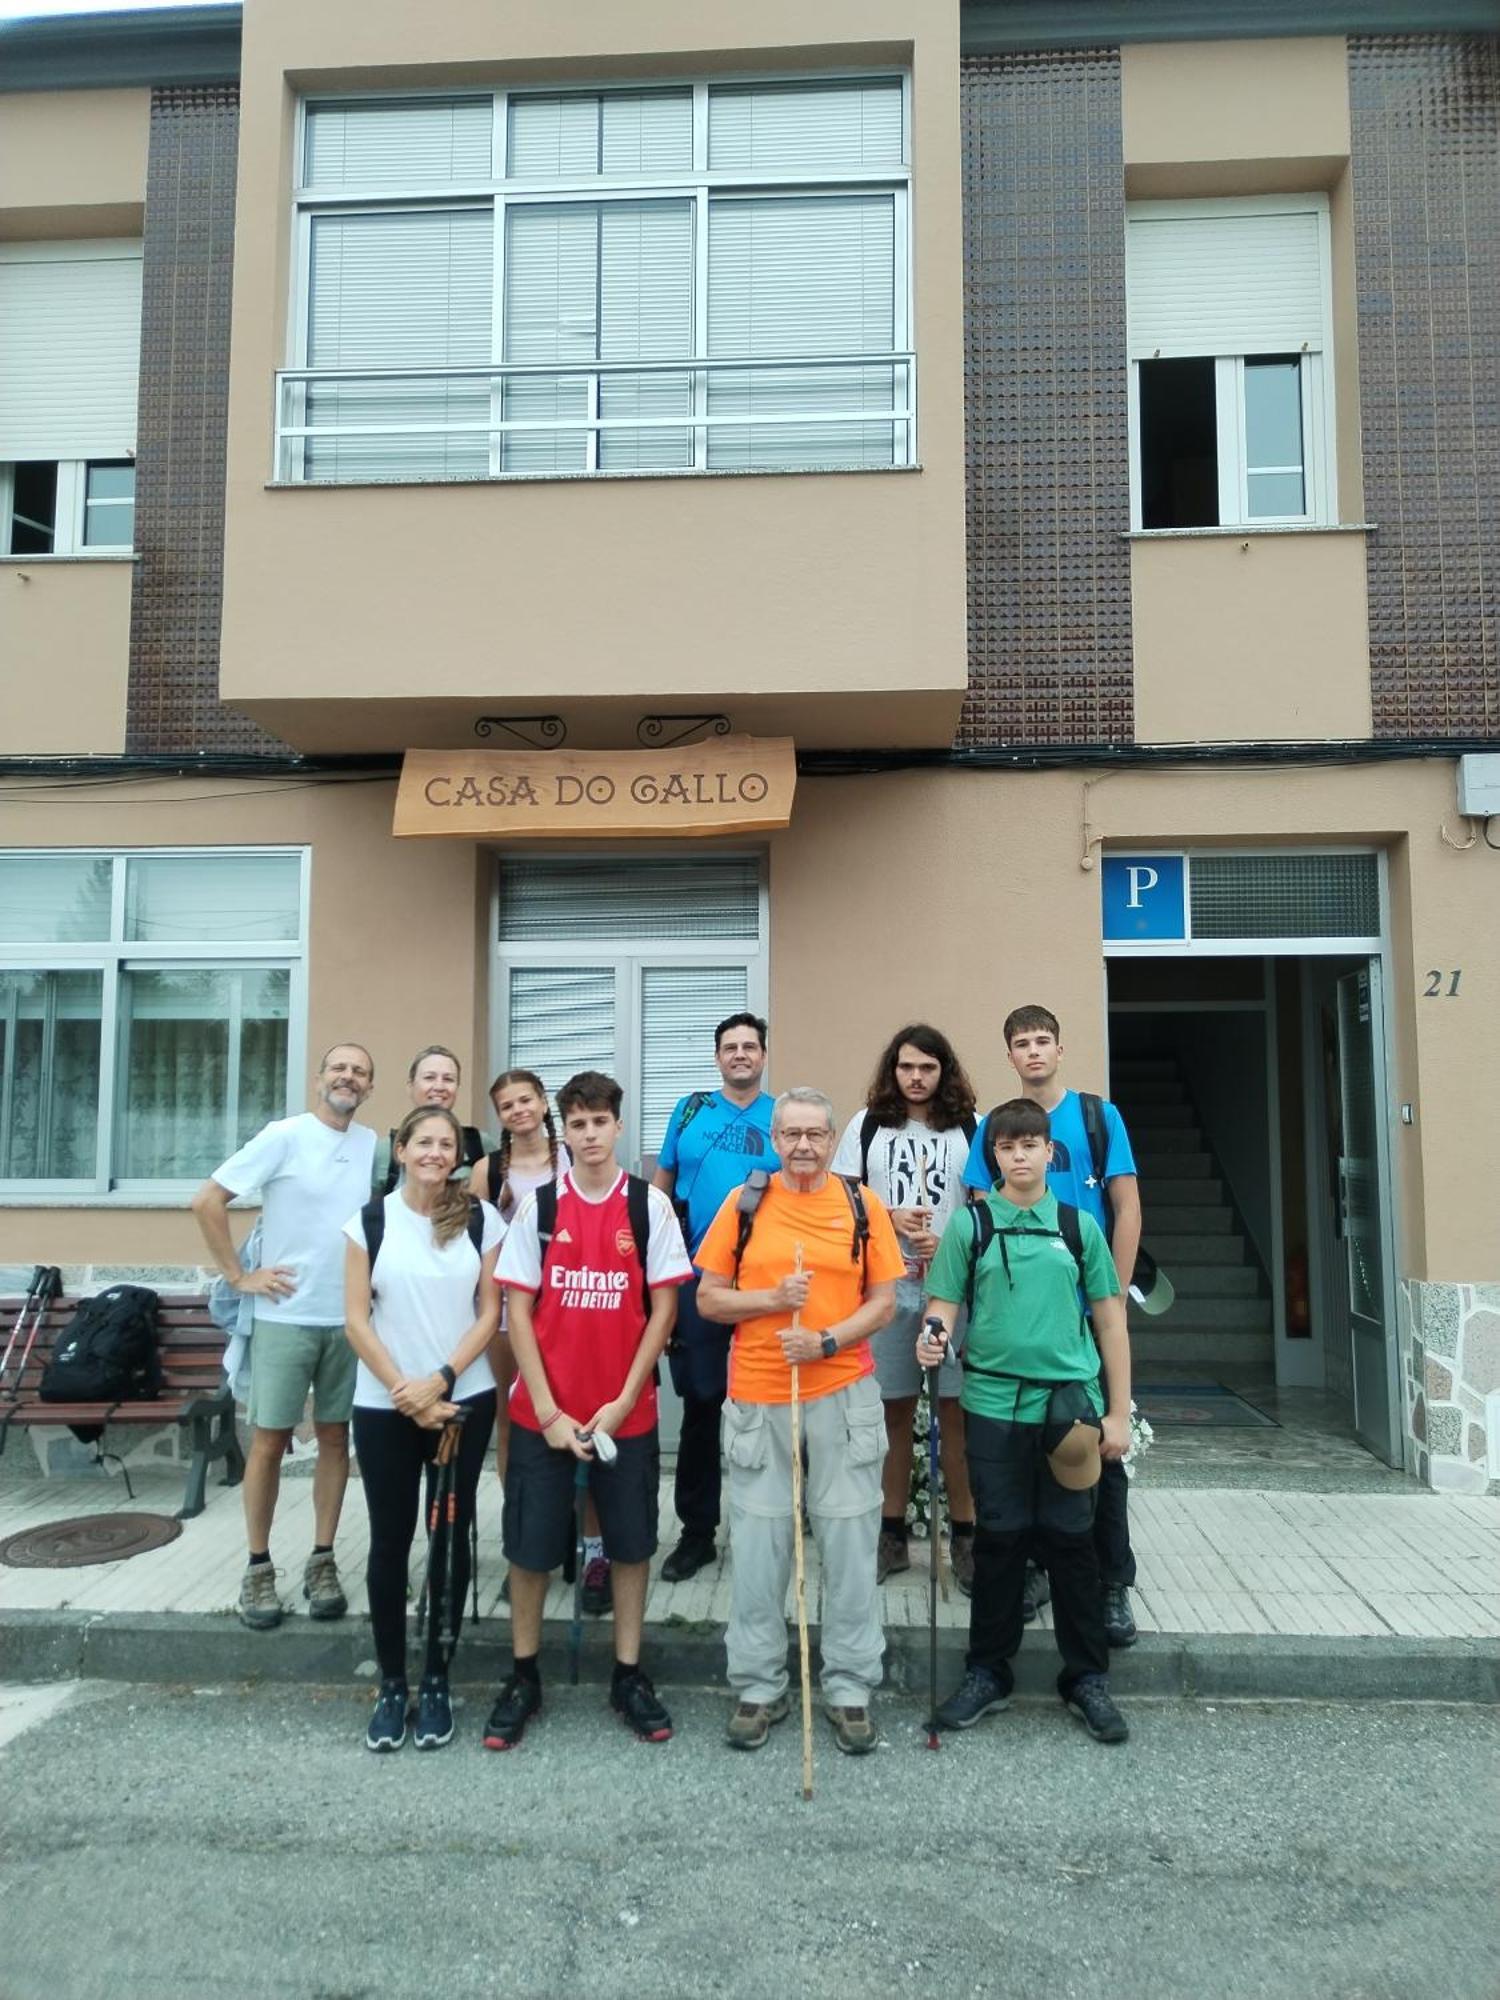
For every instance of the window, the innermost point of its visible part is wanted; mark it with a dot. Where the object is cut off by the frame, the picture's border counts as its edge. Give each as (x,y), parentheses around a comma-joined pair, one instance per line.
(1230,362)
(627,967)
(149,1012)
(706,277)
(69,364)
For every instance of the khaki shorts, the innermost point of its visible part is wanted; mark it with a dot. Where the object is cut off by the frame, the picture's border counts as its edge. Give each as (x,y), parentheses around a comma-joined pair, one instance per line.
(287,1363)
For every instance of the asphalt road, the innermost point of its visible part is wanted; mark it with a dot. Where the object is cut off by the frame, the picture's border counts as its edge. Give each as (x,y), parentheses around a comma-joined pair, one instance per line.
(241,1843)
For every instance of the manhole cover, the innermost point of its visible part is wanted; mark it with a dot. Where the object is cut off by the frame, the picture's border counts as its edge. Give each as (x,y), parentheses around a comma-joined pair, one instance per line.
(92,1538)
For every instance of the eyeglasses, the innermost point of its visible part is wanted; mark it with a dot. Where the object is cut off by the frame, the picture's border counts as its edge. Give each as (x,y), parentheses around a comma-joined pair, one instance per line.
(794,1135)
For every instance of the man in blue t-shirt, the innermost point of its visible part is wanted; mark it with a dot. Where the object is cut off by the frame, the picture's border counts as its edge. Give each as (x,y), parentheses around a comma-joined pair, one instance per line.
(1033,1043)
(715,1140)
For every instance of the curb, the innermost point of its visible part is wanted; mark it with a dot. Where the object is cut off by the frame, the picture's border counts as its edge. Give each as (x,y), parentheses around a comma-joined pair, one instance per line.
(177,1649)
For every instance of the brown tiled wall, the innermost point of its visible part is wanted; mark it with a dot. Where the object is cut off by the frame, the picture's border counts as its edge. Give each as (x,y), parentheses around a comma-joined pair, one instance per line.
(179,514)
(1426,153)
(1048,458)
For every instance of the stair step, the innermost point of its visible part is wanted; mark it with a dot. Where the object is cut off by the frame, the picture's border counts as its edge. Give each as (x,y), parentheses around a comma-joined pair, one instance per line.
(1165,1139)
(1154,1114)
(1194,1315)
(1153,1341)
(1145,1090)
(1178,1248)
(1195,1282)
(1153,1165)
(1146,1067)
(1182,1217)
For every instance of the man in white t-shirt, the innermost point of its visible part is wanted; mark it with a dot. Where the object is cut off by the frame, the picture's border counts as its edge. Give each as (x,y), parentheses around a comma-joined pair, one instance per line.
(310,1172)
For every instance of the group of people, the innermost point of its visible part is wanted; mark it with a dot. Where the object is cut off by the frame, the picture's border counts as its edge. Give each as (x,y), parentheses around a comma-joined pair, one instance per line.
(437,1295)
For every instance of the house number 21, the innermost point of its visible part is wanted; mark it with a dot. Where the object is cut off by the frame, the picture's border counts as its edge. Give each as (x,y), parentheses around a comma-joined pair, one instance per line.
(1435,989)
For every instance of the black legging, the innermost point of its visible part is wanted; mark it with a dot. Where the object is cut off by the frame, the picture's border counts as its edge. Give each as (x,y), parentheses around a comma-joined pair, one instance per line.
(392,1454)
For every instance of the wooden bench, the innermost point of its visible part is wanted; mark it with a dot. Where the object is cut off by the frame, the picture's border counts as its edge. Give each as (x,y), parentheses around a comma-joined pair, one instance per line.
(194,1394)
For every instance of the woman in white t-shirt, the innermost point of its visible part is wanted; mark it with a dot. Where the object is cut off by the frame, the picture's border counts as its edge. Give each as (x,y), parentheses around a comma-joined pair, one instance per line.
(420,1322)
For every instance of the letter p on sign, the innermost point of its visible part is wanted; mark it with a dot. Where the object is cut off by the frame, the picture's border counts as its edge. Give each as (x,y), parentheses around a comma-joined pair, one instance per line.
(1140,876)
(1145,898)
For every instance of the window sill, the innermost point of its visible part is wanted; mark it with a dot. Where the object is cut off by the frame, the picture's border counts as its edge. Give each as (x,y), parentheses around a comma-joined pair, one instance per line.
(604,478)
(78,556)
(154,1198)
(1241,534)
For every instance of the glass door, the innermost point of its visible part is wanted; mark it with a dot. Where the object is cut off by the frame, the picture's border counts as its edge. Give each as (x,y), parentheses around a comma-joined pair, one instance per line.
(1362,1210)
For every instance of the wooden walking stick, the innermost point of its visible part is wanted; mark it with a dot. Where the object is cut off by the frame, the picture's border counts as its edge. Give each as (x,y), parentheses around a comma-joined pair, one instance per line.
(804,1651)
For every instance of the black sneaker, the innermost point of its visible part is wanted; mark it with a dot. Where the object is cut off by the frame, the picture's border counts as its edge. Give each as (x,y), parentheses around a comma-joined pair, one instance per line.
(692,1553)
(634,1700)
(1090,1701)
(516,1703)
(434,1714)
(1035,1592)
(386,1729)
(977,1695)
(598,1588)
(1119,1623)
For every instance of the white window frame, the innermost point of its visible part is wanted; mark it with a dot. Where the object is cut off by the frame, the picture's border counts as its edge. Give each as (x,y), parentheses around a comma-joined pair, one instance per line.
(70,514)
(118,955)
(629,958)
(696,184)
(1320,456)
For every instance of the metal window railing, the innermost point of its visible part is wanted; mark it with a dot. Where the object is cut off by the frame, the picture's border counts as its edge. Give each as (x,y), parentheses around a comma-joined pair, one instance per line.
(347,424)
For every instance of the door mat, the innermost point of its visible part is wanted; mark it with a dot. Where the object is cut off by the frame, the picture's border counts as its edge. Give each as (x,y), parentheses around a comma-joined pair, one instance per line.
(1205,1405)
(92,1538)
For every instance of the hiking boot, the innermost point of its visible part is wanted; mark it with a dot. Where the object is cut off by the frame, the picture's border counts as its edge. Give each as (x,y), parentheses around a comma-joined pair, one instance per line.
(634,1700)
(434,1713)
(961,1556)
(322,1589)
(260,1604)
(891,1555)
(598,1589)
(1090,1701)
(853,1730)
(751,1722)
(1035,1592)
(386,1729)
(1119,1623)
(515,1705)
(692,1553)
(977,1695)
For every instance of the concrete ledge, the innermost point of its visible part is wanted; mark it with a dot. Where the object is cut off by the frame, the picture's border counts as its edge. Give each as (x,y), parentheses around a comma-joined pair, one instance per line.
(61,1645)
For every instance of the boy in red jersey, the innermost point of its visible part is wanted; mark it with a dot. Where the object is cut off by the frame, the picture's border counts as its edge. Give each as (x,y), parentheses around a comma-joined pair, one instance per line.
(590,1310)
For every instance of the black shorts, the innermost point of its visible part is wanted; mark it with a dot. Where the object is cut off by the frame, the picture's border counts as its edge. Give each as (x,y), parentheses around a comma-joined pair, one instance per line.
(540,1524)
(1013,1485)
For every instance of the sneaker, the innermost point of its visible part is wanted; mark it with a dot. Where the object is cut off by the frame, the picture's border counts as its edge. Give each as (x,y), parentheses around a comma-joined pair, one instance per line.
(1119,1622)
(515,1705)
(961,1558)
(634,1700)
(891,1555)
(386,1729)
(598,1589)
(692,1553)
(977,1695)
(434,1714)
(260,1604)
(1035,1592)
(322,1589)
(1090,1701)
(853,1730)
(751,1722)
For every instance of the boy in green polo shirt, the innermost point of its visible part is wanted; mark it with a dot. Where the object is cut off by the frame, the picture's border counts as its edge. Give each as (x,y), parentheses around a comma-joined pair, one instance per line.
(1035,1426)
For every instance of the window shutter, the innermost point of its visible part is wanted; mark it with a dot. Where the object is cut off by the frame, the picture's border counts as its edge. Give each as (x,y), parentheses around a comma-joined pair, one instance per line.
(396,289)
(681,1005)
(551,314)
(792,127)
(646,314)
(562,1019)
(70,342)
(440,142)
(583,898)
(1224,284)
(628,132)
(802,276)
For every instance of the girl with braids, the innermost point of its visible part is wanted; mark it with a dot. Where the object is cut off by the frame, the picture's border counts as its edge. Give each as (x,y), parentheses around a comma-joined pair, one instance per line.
(420,1315)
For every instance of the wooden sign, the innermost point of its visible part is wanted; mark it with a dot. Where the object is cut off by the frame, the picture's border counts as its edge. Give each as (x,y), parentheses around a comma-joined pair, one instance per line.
(736,784)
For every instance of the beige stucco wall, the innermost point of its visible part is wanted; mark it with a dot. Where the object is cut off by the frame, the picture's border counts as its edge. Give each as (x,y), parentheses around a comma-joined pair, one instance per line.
(73,162)
(64,655)
(1249,100)
(566,592)
(1250,638)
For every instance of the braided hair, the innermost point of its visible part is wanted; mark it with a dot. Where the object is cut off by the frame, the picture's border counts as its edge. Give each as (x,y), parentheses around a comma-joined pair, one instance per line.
(533,1082)
(450,1213)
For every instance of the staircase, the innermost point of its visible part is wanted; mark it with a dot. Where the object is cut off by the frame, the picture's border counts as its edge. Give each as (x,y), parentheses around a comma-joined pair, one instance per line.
(1221,1317)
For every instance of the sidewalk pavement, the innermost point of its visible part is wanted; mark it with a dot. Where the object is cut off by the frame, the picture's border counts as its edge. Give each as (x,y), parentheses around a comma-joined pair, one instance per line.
(1388,1594)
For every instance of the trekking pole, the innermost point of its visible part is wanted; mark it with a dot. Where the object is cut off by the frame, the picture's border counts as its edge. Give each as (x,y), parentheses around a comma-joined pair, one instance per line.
(804,1654)
(446,1499)
(49,1289)
(27,1305)
(936,1331)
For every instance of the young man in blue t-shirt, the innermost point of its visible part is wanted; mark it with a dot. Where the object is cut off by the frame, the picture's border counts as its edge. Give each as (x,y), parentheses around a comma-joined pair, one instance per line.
(1033,1043)
(715,1139)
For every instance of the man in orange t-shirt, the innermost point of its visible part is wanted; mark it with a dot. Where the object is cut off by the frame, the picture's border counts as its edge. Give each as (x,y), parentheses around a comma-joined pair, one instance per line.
(846,1291)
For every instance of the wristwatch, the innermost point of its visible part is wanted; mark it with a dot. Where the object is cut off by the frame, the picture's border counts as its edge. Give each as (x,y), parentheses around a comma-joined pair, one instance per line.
(449,1378)
(830,1347)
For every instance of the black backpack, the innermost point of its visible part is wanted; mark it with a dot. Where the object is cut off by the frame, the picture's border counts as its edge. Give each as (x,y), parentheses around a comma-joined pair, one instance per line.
(1144,1274)
(638,1207)
(372,1216)
(753,1193)
(986,1229)
(108,1351)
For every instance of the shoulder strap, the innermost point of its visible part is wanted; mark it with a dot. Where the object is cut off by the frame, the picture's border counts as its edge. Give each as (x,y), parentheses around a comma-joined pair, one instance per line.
(546,1216)
(1097,1130)
(982,1222)
(690,1107)
(969,1125)
(752,1194)
(476,1225)
(869,1125)
(638,1206)
(859,1248)
(1071,1231)
(492,1177)
(372,1217)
